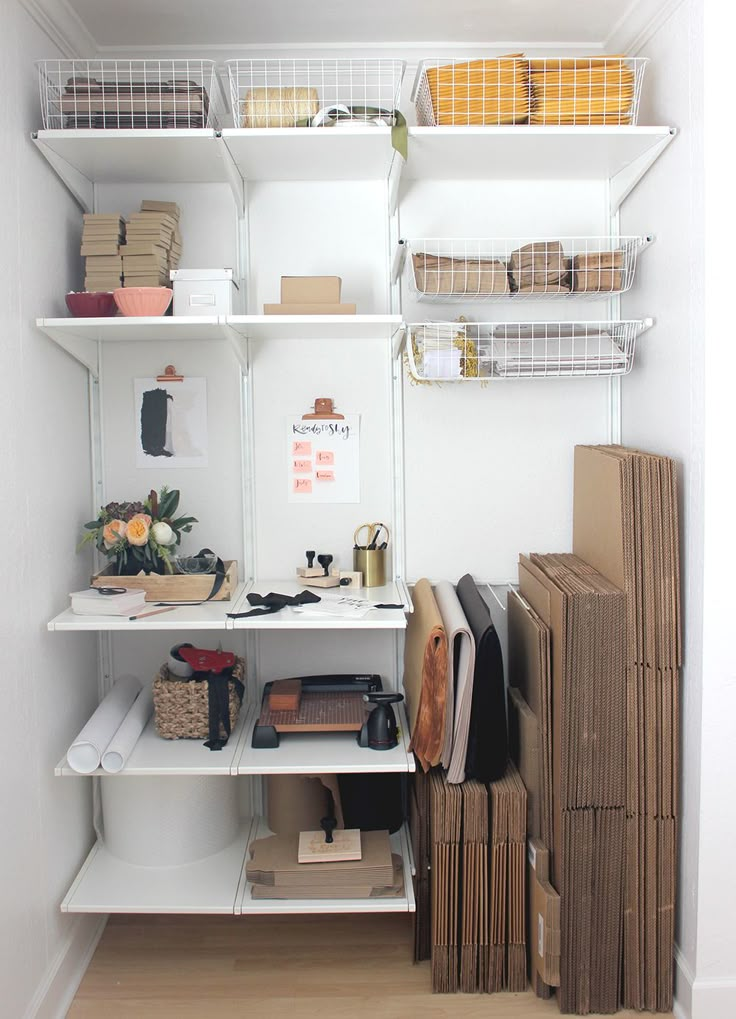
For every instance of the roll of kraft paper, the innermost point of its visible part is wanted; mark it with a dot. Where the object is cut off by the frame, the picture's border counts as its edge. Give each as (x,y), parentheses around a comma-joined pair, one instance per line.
(85,753)
(122,743)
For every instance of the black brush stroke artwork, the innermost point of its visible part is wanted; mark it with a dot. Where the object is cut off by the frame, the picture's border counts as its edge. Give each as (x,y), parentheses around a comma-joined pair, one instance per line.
(155,411)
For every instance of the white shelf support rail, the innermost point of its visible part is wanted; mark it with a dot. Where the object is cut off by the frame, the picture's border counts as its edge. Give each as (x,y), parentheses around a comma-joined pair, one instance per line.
(234,177)
(624,182)
(80,187)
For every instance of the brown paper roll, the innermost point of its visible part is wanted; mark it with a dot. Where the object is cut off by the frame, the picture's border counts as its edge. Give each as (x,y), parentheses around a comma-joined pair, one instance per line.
(299,802)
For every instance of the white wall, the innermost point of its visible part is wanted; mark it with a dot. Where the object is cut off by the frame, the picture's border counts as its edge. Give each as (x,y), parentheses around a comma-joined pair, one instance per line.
(48,682)
(678,402)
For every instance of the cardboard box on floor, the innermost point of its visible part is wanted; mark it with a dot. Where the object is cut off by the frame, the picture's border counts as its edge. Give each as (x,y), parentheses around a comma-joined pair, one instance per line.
(310,290)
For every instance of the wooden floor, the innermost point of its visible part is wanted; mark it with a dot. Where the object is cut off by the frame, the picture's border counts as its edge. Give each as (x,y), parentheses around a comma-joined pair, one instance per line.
(310,967)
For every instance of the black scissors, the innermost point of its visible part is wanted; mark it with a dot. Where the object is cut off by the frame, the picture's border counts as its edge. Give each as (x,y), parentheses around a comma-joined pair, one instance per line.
(111,590)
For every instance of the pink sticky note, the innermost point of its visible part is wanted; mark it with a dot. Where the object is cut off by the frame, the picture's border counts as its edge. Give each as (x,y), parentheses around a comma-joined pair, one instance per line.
(325,475)
(303,486)
(325,457)
(301,466)
(301,449)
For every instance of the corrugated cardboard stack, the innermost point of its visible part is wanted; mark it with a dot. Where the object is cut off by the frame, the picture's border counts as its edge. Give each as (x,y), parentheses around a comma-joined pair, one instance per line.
(153,245)
(585,614)
(625,524)
(102,235)
(275,872)
(477,835)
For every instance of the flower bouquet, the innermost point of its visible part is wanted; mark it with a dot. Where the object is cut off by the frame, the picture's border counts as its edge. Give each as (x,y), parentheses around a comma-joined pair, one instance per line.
(139,536)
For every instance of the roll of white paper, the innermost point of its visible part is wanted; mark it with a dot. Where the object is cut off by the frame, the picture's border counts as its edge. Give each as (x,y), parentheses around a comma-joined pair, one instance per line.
(85,753)
(122,743)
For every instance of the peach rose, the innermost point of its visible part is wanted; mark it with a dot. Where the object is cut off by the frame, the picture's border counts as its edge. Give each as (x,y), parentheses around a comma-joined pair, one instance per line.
(137,530)
(113,532)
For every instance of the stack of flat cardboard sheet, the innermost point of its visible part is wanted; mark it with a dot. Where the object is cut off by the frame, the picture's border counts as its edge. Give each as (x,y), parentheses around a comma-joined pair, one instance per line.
(477,881)
(626,525)
(585,614)
(275,872)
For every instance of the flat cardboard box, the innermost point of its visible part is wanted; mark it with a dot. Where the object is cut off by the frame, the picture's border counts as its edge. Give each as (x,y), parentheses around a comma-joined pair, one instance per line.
(308,309)
(311,289)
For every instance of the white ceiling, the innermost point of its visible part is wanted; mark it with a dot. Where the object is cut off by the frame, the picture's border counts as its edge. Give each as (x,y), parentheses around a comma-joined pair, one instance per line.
(238,23)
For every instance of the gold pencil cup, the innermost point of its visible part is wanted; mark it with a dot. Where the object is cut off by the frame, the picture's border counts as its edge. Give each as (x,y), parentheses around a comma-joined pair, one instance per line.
(371,562)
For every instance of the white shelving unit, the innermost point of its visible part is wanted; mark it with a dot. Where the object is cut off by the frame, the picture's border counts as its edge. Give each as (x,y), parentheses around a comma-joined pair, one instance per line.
(153,755)
(325,753)
(402,904)
(619,154)
(106,884)
(84,159)
(207,616)
(300,154)
(215,885)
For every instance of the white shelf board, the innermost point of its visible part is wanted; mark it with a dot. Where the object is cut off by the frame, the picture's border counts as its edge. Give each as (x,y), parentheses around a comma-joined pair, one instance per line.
(207,616)
(80,336)
(530,152)
(297,154)
(182,155)
(315,327)
(325,753)
(153,755)
(106,884)
(290,619)
(404,904)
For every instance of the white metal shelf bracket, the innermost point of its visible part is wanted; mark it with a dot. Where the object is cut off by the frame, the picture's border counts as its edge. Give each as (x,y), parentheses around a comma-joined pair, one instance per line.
(82,189)
(81,348)
(234,178)
(624,182)
(238,344)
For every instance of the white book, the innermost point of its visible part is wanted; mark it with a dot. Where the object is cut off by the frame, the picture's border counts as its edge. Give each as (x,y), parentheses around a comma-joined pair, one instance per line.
(92,603)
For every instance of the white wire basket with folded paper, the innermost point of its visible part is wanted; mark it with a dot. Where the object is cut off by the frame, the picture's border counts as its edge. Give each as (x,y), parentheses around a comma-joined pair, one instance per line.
(315,93)
(455,270)
(479,351)
(138,94)
(515,89)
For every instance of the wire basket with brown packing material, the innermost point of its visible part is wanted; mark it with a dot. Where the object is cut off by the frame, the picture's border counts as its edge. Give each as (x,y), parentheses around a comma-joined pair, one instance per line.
(494,91)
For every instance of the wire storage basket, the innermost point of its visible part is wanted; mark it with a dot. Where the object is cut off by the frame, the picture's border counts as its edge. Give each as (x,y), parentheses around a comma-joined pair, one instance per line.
(463,351)
(446,270)
(140,94)
(514,89)
(314,93)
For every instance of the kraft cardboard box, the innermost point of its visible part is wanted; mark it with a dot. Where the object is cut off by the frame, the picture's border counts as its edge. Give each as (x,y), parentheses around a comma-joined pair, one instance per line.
(308,309)
(311,289)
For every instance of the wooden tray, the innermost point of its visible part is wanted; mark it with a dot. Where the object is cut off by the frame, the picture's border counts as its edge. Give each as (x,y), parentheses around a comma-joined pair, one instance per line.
(172,587)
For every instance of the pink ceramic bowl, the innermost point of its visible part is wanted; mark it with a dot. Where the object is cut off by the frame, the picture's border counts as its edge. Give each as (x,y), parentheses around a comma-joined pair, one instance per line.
(149,301)
(98,304)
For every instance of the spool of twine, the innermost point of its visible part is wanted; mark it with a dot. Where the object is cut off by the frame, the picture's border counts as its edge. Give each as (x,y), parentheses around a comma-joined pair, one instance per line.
(279,107)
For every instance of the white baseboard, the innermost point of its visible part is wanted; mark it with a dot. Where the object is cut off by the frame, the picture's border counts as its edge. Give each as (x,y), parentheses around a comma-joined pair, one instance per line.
(701,998)
(56,991)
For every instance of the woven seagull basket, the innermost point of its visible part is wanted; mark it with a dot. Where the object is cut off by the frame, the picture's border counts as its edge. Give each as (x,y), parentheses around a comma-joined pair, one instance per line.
(181,706)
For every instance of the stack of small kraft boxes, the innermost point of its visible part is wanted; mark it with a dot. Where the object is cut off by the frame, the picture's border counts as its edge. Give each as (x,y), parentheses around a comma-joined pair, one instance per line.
(153,245)
(102,235)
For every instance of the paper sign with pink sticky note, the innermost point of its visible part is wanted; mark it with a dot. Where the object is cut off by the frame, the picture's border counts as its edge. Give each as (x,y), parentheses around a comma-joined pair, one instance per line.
(323,463)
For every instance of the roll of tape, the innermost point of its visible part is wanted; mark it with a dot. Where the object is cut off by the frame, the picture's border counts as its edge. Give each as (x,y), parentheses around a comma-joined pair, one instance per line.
(176,664)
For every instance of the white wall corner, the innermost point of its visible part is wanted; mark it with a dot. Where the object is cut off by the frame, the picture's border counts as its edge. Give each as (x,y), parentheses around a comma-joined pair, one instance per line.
(55,993)
(63,27)
(684,980)
(638,23)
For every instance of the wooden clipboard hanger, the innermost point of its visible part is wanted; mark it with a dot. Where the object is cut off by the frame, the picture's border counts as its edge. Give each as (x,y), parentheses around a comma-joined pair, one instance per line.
(169,375)
(323,409)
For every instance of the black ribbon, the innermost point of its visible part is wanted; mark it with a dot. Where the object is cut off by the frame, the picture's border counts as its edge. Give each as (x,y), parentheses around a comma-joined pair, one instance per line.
(269,603)
(218,704)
